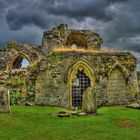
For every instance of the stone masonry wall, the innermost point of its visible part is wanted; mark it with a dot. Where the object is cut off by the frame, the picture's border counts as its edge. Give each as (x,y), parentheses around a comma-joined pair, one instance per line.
(62,35)
(51,86)
(11,52)
(46,79)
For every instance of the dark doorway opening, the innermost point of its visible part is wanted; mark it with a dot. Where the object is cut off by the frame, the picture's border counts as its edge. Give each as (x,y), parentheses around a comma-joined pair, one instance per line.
(79,85)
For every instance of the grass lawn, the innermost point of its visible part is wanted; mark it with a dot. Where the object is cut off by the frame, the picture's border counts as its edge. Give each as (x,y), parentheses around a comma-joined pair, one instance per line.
(37,123)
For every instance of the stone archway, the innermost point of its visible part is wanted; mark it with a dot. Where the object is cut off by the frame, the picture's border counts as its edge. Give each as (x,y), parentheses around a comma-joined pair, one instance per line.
(116,87)
(77,39)
(16,61)
(80,77)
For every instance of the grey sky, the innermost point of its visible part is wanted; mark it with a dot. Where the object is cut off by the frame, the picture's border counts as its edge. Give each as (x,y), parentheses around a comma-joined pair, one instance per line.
(116,20)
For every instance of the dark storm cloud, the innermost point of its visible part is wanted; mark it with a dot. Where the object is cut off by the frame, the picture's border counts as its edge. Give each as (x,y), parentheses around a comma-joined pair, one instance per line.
(116,20)
(117,1)
(32,12)
(17,19)
(24,13)
(2,4)
(79,10)
(124,30)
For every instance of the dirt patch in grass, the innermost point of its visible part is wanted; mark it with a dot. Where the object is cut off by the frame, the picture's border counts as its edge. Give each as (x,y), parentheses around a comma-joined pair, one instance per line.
(124,123)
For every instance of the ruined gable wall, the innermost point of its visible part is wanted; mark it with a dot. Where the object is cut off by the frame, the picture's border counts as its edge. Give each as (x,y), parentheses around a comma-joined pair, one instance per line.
(62,35)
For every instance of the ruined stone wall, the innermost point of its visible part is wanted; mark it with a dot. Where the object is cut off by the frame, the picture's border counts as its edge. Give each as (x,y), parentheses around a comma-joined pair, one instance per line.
(116,87)
(9,54)
(52,87)
(4,100)
(62,35)
(16,80)
(47,80)
(138,77)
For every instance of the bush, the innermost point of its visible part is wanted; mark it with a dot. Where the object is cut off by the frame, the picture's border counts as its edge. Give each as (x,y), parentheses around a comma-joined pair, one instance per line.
(14,97)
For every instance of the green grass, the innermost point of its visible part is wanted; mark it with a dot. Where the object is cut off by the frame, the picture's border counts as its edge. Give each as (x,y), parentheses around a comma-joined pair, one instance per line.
(37,123)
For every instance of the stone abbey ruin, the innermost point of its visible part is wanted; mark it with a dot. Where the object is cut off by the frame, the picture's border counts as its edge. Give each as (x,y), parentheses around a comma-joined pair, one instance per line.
(66,68)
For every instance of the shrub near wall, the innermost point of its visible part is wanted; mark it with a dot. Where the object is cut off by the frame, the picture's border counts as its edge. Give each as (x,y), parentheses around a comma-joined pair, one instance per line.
(14,97)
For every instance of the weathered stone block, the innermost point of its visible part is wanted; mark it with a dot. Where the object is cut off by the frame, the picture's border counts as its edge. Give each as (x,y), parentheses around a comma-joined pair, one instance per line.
(4,100)
(89,101)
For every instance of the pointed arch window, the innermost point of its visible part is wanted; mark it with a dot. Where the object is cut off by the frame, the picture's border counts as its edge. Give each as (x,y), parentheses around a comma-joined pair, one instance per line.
(20,62)
(79,85)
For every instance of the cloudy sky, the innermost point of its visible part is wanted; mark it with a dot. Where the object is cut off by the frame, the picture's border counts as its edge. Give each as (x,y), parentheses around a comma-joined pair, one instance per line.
(117,21)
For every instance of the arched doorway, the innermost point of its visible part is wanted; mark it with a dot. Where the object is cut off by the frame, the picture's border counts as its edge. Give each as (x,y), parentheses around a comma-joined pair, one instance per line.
(116,87)
(80,77)
(79,85)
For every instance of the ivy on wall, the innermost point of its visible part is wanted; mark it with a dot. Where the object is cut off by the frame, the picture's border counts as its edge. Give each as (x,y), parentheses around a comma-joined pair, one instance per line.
(14,97)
